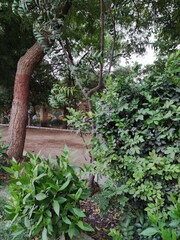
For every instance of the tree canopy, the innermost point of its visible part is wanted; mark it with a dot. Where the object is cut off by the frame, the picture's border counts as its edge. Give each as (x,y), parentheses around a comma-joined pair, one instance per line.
(15,37)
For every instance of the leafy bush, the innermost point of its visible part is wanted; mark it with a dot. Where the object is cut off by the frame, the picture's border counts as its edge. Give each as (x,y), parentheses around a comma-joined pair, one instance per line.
(80,121)
(2,212)
(3,156)
(3,149)
(45,198)
(168,228)
(5,100)
(138,142)
(115,234)
(5,232)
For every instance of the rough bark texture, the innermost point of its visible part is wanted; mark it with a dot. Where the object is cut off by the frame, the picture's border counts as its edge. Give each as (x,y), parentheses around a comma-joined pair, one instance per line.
(19,110)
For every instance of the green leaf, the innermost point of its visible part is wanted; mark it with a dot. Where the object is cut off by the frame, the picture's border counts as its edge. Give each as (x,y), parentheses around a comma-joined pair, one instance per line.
(78,194)
(7,169)
(149,232)
(39,177)
(62,200)
(40,196)
(64,185)
(56,207)
(174,235)
(27,222)
(71,231)
(84,227)
(26,197)
(66,220)
(44,234)
(168,115)
(16,234)
(79,212)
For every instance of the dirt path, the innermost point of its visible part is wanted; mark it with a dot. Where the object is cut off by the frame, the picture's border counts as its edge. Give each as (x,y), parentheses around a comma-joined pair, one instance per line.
(51,141)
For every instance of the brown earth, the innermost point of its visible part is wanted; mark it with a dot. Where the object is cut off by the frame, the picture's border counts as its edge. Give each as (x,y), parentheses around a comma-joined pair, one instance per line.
(48,141)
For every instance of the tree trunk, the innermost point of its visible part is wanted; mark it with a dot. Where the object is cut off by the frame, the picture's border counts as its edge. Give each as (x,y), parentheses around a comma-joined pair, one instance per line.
(43,116)
(19,110)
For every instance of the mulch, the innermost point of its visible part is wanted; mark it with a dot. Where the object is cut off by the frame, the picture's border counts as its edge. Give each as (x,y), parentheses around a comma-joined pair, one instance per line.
(101,223)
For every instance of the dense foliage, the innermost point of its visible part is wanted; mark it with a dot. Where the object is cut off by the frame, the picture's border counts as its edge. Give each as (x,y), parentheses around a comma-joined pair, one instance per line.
(45,198)
(63,96)
(137,124)
(138,144)
(41,84)
(5,103)
(15,37)
(3,149)
(5,232)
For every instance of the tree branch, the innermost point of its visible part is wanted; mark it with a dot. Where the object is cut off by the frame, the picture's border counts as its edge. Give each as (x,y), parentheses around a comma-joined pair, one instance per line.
(100,83)
(113,46)
(71,62)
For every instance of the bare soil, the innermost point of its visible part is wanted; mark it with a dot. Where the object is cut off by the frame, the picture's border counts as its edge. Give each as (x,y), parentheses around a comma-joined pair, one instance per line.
(48,141)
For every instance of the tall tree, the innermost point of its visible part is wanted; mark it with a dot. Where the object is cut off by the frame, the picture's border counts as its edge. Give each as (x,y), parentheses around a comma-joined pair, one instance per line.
(25,68)
(19,110)
(128,23)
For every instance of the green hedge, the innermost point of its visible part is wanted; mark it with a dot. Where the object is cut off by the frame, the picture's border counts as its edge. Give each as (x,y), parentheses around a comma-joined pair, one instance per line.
(138,137)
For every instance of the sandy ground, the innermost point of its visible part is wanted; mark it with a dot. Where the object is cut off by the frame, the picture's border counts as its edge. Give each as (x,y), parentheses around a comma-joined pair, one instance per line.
(52,141)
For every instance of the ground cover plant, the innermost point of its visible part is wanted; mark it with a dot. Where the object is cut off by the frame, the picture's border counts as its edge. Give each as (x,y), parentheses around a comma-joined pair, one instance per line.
(3,160)
(3,149)
(5,232)
(138,147)
(44,198)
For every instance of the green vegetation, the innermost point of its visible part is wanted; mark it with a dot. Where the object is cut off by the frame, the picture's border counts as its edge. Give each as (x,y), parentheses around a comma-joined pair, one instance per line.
(3,149)
(167,227)
(138,146)
(3,155)
(44,198)
(135,119)
(5,232)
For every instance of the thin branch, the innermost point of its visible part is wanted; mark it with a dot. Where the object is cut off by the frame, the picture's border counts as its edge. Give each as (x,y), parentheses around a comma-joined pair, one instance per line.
(85,54)
(113,46)
(92,68)
(71,62)
(86,146)
(100,83)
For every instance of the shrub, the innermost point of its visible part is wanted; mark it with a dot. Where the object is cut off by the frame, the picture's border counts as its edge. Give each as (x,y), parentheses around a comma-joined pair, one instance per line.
(3,149)
(45,198)
(80,121)
(5,232)
(3,157)
(138,145)
(2,212)
(168,228)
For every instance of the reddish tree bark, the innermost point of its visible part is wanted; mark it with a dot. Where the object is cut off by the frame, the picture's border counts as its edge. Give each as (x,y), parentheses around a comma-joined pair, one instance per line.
(19,110)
